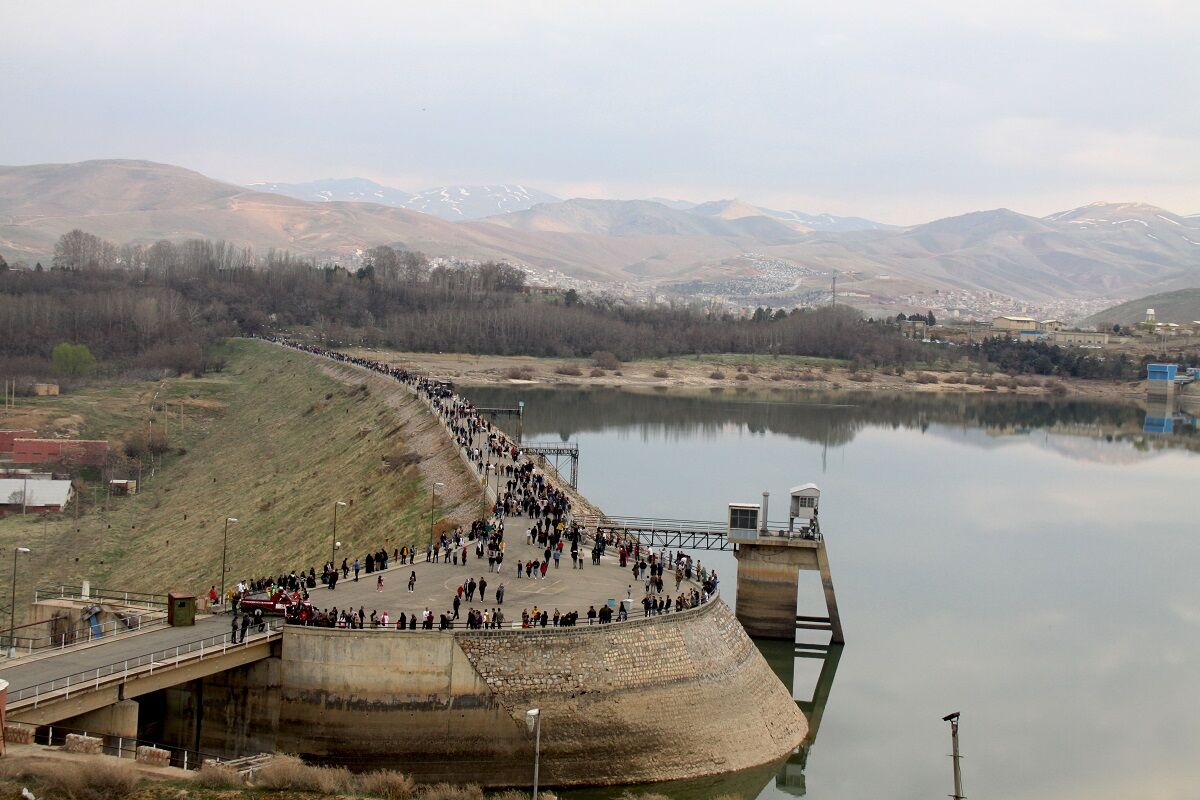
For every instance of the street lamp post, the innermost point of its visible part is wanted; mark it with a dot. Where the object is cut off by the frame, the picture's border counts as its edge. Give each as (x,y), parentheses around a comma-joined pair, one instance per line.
(333,549)
(12,617)
(533,721)
(432,502)
(953,720)
(224,553)
(491,468)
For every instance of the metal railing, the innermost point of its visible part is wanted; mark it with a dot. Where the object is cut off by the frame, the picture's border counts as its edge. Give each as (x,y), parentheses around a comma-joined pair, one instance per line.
(688,533)
(98,595)
(86,634)
(119,746)
(120,671)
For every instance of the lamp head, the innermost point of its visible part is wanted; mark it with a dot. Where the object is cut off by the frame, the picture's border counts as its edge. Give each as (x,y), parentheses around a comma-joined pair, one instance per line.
(23,550)
(231,520)
(951,717)
(339,503)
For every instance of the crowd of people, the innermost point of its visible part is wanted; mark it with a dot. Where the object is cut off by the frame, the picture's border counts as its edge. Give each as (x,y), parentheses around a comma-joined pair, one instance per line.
(521,490)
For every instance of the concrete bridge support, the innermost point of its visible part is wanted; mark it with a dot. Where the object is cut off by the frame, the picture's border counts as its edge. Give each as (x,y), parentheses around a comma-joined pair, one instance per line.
(113,722)
(768,587)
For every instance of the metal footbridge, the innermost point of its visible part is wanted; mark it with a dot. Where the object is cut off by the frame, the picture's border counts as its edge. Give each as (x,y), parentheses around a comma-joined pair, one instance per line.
(688,534)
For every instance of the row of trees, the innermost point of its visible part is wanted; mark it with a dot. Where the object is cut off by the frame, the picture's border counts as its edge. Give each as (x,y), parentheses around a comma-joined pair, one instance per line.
(1041,358)
(164,305)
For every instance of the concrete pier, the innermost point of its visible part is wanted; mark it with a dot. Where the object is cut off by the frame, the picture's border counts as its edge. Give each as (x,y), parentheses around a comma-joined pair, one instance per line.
(768,587)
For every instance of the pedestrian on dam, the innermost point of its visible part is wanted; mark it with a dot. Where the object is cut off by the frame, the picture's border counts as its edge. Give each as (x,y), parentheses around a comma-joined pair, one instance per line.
(245,625)
(357,567)
(500,595)
(591,615)
(379,584)
(233,628)
(482,588)
(456,603)
(412,580)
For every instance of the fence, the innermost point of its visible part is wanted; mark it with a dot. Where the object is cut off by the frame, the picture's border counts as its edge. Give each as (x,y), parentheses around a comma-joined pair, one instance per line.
(119,746)
(113,629)
(147,663)
(131,599)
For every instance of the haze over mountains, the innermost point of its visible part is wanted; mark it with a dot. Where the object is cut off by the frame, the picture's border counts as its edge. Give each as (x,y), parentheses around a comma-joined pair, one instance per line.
(1099,250)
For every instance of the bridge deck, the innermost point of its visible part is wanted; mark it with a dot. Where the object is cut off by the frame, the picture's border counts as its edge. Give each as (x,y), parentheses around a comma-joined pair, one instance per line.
(23,674)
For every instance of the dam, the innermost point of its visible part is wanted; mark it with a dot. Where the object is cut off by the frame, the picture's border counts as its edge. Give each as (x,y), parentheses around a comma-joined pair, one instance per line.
(449,704)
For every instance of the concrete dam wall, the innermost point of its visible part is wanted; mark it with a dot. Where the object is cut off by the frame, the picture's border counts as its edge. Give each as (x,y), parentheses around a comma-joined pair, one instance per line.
(451,706)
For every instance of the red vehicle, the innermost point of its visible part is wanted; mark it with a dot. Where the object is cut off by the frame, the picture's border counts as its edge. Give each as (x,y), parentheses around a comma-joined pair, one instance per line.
(277,603)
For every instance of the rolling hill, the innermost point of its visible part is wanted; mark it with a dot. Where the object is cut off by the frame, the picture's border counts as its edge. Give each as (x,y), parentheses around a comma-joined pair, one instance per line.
(1100,250)
(1182,306)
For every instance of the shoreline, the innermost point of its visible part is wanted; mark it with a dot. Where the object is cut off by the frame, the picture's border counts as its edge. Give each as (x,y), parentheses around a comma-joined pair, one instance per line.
(757,373)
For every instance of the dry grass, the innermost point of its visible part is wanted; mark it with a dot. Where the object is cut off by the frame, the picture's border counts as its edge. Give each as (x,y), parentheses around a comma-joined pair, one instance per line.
(596,373)
(925,377)
(519,374)
(717,375)
(387,784)
(741,376)
(861,377)
(257,458)
(288,773)
(448,791)
(661,373)
(94,779)
(212,776)
(568,369)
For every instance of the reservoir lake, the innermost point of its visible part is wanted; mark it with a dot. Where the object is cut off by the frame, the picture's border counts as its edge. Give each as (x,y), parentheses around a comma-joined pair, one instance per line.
(1032,564)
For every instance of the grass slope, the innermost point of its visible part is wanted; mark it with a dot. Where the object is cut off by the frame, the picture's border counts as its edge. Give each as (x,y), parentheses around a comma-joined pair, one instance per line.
(1182,306)
(274,441)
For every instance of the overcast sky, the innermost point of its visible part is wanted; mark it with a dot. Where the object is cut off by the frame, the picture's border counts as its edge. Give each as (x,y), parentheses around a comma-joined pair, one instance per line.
(897,111)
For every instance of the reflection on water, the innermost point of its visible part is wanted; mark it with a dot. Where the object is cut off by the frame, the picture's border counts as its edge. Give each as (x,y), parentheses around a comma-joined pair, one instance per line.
(1030,563)
(829,419)
(1166,417)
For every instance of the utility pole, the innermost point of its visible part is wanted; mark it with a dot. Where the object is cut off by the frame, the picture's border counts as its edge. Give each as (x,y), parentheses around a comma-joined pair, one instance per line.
(833,292)
(953,720)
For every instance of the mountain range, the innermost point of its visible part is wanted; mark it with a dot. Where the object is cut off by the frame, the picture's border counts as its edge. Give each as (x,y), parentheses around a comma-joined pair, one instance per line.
(1099,250)
(447,202)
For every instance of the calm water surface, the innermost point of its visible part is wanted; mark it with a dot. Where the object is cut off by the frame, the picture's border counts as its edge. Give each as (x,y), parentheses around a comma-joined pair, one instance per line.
(1031,564)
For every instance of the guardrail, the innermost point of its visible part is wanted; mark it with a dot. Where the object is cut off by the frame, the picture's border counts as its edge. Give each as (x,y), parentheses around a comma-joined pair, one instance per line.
(109,631)
(120,671)
(97,595)
(689,527)
(119,746)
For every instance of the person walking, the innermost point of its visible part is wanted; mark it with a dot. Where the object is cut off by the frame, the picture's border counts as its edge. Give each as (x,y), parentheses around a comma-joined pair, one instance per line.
(245,625)
(412,580)
(379,583)
(233,628)
(357,567)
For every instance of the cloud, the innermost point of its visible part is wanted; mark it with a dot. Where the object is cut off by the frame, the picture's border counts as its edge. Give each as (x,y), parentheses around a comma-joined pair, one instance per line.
(902,111)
